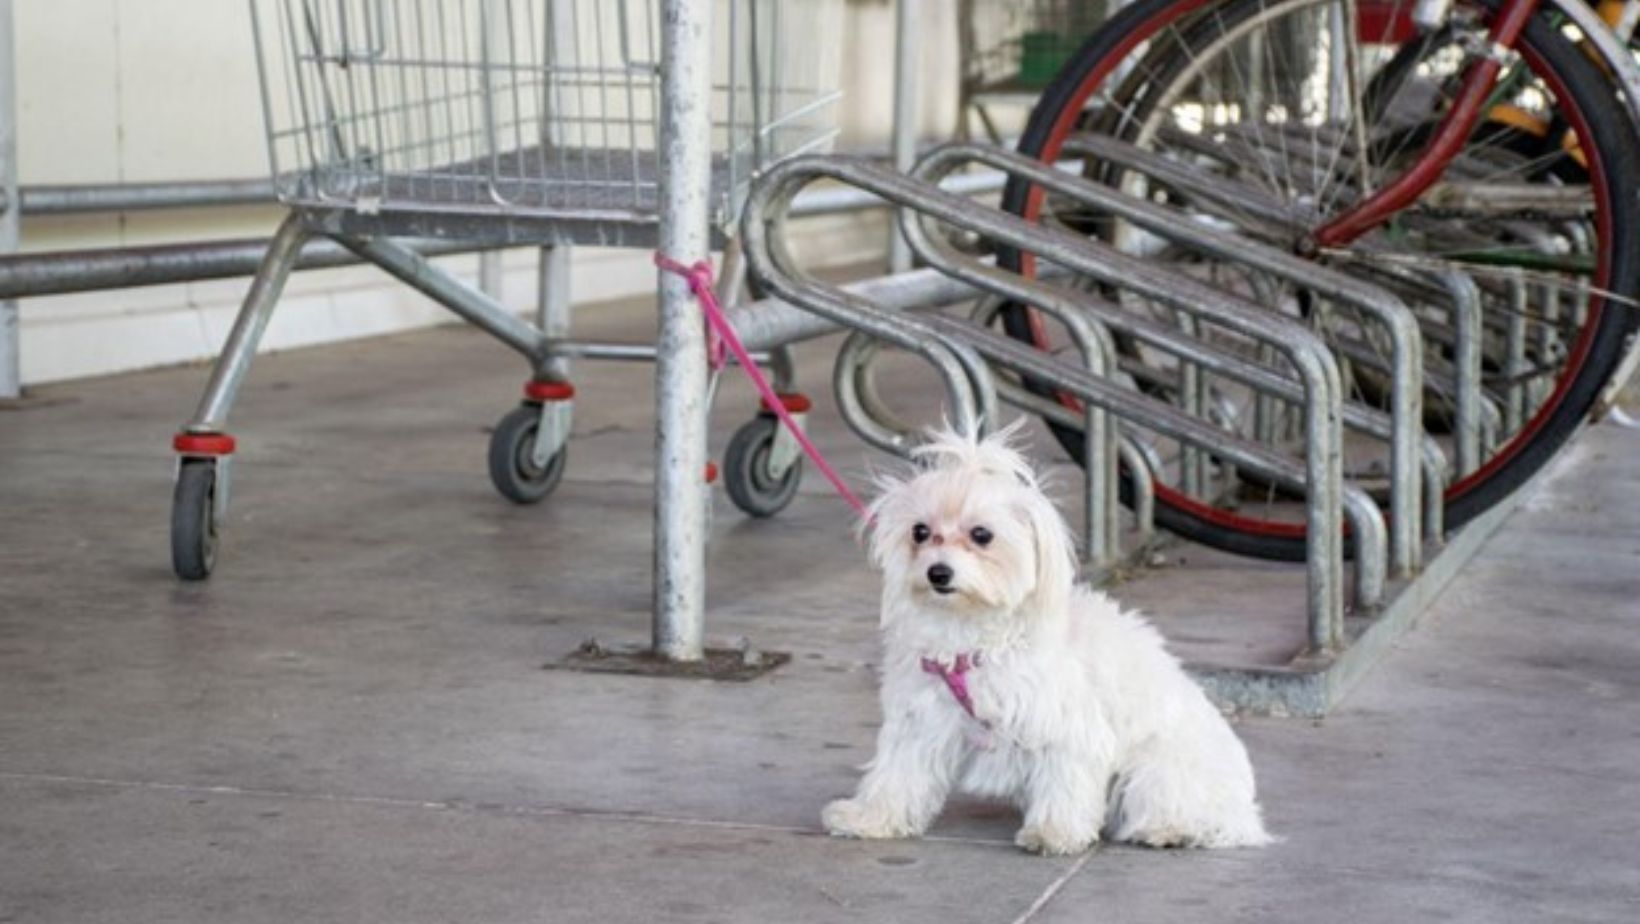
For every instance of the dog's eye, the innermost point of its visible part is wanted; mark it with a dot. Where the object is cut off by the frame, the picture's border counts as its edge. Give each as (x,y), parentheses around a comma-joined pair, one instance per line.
(980,535)
(920,534)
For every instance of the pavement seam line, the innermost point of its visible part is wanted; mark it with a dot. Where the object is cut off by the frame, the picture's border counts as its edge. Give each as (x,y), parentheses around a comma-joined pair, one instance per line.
(476,808)
(1053,889)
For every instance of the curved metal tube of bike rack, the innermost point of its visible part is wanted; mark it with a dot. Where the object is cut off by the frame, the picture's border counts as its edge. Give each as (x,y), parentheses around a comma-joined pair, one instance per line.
(1251,203)
(1314,363)
(1325,626)
(1358,507)
(1467,322)
(859,403)
(971,396)
(1320,477)
(865,411)
(1100,436)
(1098,352)
(1476,420)
(1063,302)
(1397,320)
(1261,378)
(1140,459)
(1309,356)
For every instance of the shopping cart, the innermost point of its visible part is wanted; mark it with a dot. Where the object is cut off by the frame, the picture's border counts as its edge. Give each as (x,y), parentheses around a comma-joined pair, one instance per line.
(516,122)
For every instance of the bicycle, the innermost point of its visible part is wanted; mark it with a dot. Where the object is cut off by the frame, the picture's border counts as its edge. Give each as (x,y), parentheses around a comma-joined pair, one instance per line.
(1475,152)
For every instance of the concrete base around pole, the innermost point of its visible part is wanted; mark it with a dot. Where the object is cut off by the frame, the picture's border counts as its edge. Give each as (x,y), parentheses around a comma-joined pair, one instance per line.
(734,665)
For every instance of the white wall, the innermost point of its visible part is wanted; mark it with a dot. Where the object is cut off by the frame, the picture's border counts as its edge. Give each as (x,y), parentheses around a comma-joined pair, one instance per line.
(145,90)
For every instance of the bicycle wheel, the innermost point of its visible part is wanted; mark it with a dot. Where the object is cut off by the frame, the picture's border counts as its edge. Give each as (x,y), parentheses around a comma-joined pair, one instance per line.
(1537,211)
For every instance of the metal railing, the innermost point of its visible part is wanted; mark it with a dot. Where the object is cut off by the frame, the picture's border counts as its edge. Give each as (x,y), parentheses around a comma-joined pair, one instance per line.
(1110,411)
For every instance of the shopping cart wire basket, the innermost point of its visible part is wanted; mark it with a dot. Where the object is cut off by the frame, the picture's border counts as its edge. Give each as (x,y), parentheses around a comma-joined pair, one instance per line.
(436,117)
(501,122)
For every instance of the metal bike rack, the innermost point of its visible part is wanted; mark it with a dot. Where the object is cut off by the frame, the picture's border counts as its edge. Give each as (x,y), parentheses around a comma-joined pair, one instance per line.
(1405,416)
(1242,203)
(1477,420)
(1329,501)
(1278,360)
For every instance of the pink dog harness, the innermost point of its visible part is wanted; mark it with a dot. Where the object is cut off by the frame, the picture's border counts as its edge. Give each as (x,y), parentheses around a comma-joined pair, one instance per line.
(956,680)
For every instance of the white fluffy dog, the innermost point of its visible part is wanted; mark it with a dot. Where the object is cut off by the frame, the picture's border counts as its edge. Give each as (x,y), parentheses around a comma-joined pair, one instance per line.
(1003,678)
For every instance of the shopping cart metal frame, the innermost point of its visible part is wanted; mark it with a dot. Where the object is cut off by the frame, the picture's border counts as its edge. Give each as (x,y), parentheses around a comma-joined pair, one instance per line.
(679,197)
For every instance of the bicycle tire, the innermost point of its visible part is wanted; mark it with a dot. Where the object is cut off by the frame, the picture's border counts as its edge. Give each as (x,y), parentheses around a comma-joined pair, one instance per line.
(1614,175)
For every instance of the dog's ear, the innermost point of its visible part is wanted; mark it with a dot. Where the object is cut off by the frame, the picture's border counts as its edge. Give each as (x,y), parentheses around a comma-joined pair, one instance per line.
(884,530)
(882,522)
(1055,554)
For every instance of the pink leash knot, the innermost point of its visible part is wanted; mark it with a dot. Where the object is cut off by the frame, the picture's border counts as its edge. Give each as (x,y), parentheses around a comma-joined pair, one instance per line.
(956,680)
(722,335)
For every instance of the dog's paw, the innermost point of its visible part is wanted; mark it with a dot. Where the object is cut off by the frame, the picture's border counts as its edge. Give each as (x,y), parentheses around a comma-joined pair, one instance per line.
(1165,838)
(1053,841)
(853,818)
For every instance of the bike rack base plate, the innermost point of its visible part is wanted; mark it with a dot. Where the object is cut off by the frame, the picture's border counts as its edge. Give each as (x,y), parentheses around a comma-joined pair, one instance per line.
(1310,687)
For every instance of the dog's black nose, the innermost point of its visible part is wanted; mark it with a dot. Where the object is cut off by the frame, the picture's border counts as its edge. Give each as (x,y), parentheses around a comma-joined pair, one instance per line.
(939,575)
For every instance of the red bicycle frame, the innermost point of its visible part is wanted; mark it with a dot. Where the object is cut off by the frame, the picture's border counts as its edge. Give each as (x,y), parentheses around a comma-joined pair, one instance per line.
(1449,136)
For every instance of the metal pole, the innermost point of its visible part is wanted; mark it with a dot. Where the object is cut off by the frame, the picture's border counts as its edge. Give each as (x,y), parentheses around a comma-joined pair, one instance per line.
(59,272)
(905,114)
(680,368)
(11,373)
(1467,348)
(99,198)
(1514,351)
(132,197)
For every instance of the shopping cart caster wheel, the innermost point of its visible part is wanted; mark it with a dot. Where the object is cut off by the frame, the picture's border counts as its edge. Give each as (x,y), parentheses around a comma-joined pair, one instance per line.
(512,458)
(746,475)
(193,520)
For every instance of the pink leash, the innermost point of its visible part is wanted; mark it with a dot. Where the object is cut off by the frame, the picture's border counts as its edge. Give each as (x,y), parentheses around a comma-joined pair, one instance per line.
(723,335)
